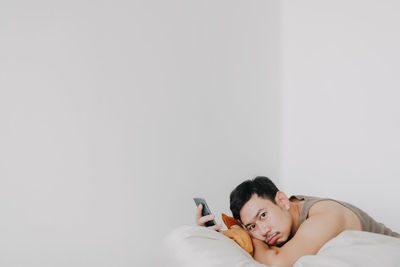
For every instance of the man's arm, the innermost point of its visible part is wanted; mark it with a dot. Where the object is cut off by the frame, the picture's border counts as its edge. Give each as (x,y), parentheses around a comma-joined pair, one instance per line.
(309,238)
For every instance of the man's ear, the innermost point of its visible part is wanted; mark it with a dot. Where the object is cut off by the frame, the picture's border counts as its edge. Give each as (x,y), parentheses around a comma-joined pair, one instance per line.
(282,200)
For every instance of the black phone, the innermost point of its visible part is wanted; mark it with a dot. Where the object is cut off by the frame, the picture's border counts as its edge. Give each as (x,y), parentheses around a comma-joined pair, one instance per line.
(206,210)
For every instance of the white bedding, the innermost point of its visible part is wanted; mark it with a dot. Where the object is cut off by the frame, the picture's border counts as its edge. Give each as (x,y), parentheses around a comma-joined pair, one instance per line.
(193,246)
(356,248)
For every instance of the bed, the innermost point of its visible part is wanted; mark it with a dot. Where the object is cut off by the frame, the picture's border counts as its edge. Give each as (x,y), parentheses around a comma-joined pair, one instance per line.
(194,246)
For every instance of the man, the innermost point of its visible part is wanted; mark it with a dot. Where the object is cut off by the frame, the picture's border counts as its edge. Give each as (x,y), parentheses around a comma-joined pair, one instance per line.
(300,225)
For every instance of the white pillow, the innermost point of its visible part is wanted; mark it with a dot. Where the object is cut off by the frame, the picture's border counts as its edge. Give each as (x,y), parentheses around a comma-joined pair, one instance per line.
(356,248)
(195,246)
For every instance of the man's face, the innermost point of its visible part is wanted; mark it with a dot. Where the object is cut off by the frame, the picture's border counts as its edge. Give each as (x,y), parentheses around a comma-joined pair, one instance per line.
(267,221)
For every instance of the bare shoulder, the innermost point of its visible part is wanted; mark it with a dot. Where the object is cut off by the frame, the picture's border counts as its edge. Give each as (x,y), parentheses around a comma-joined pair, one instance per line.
(330,207)
(326,206)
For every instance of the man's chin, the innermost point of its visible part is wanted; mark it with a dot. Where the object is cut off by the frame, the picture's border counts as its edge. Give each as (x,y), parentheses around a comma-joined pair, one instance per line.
(280,244)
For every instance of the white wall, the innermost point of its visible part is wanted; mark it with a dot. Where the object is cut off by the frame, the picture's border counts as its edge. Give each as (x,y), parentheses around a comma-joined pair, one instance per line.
(114,114)
(340,94)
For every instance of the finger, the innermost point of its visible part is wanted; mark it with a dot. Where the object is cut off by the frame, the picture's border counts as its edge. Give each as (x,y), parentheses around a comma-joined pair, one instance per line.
(205,219)
(198,212)
(237,226)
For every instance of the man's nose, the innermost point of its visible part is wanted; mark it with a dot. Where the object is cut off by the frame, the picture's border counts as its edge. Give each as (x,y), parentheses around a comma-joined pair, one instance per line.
(264,229)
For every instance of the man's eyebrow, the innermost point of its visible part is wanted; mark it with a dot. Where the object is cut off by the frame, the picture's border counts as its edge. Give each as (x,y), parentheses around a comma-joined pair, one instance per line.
(258,212)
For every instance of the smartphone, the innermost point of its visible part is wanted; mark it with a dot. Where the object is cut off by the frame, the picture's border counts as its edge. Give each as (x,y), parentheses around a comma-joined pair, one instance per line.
(206,210)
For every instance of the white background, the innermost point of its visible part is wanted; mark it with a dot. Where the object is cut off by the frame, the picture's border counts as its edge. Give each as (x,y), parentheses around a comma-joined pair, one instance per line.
(340,111)
(114,114)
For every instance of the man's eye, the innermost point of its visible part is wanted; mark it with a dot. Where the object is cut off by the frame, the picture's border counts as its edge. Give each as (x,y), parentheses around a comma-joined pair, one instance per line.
(263,215)
(251,227)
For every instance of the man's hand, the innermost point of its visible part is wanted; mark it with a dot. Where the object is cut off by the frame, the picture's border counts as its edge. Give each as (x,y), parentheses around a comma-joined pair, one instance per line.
(200,221)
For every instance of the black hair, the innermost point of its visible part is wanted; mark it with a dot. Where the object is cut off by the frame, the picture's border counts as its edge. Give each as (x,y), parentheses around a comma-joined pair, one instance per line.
(261,186)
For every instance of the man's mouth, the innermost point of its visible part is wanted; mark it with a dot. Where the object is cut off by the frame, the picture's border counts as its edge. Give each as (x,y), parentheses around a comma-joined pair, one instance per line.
(272,239)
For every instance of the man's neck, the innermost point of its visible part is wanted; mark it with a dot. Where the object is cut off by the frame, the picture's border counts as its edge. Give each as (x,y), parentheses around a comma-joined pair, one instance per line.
(295,211)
